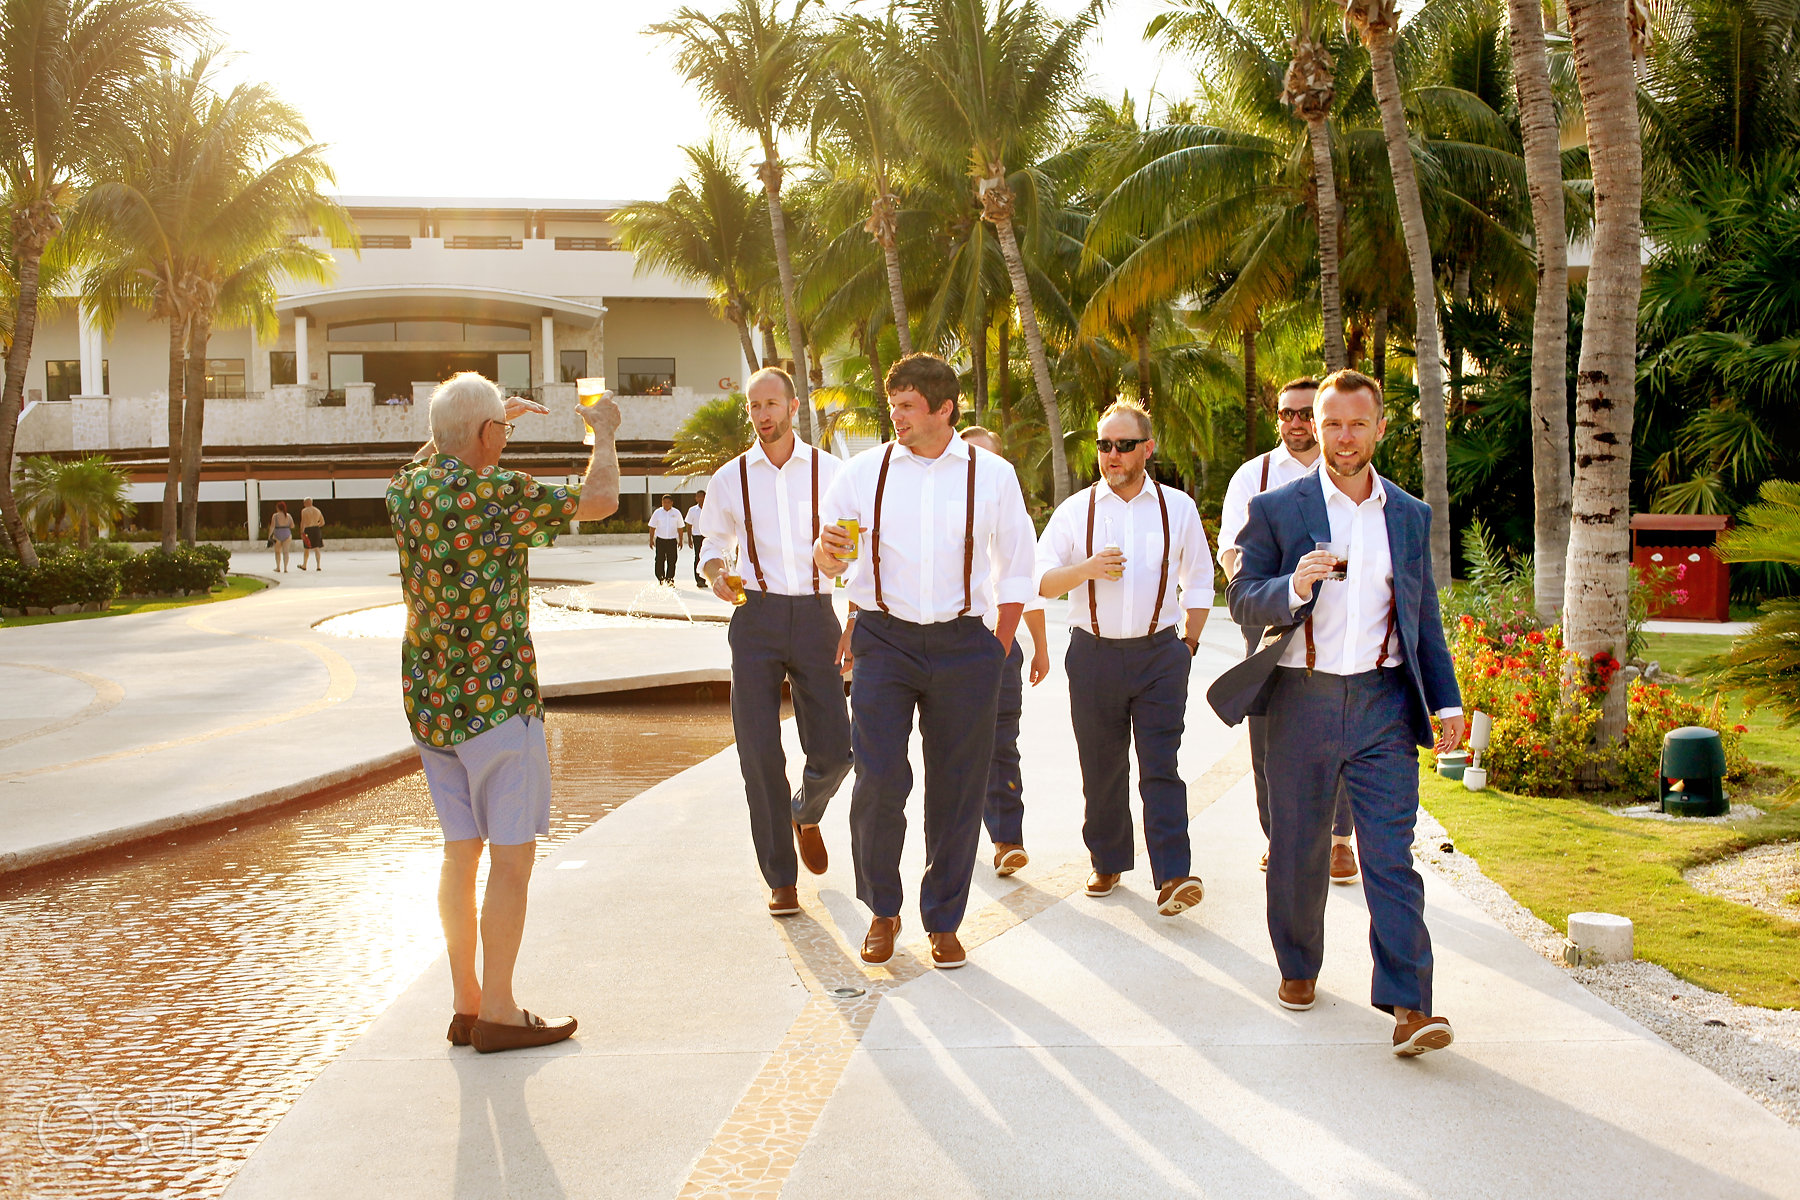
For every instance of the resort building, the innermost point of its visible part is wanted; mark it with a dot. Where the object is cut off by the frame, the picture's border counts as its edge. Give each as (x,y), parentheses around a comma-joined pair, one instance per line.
(534,294)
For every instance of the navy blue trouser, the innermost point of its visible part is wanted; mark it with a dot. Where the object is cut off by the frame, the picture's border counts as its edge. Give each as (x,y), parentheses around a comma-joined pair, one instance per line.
(699,578)
(667,551)
(1350,731)
(949,673)
(1121,690)
(1005,813)
(1343,824)
(793,638)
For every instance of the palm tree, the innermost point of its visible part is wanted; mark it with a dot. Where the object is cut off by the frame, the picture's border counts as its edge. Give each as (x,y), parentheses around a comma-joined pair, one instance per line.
(1377,23)
(1594,610)
(713,434)
(755,67)
(1309,87)
(708,229)
(86,495)
(988,82)
(63,64)
(1550,320)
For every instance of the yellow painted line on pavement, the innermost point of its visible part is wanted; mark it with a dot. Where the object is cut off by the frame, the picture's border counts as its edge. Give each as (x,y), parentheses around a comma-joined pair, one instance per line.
(106,695)
(339,688)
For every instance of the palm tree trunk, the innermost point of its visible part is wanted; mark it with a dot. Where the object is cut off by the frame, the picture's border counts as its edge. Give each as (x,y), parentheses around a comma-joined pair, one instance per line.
(1040,361)
(1550,320)
(1378,358)
(1425,337)
(1250,390)
(978,367)
(28,250)
(1459,294)
(886,237)
(1598,579)
(877,382)
(1146,381)
(771,355)
(1003,351)
(177,389)
(770,170)
(193,421)
(745,341)
(1331,293)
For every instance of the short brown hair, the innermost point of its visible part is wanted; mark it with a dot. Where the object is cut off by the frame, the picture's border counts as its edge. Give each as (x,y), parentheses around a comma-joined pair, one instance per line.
(931,377)
(1293,385)
(1348,380)
(787,382)
(1128,408)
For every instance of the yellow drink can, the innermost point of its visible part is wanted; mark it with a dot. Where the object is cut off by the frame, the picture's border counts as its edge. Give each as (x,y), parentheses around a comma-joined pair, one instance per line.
(850,526)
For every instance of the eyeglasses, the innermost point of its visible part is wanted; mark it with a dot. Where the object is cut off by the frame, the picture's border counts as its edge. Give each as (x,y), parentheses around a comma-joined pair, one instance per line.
(506,425)
(1122,445)
(1294,414)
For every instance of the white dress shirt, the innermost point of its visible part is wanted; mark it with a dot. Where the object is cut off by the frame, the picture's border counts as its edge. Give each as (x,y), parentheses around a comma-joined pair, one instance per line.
(781,509)
(1247,482)
(665,522)
(692,520)
(991,616)
(924,513)
(1125,603)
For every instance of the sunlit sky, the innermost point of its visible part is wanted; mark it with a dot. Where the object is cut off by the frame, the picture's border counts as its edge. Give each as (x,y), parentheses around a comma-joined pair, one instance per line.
(553,99)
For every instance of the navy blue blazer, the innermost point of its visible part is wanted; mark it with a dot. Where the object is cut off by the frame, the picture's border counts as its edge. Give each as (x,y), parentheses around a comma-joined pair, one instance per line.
(1285,523)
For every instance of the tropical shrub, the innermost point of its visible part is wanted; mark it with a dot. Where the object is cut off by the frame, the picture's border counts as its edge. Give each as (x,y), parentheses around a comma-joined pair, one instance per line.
(61,577)
(1497,588)
(159,572)
(1651,711)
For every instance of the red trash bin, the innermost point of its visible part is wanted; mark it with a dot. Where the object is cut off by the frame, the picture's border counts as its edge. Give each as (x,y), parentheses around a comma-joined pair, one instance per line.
(1675,541)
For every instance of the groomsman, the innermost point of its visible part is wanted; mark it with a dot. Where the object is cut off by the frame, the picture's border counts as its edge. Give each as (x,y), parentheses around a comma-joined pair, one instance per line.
(1004,814)
(941,521)
(1349,681)
(765,511)
(1132,557)
(1297,455)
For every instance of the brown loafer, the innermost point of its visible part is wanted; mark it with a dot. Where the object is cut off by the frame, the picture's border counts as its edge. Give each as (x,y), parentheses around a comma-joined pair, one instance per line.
(1101,883)
(1265,861)
(1343,864)
(491,1036)
(1297,994)
(1179,895)
(1009,857)
(947,951)
(811,845)
(460,1024)
(878,947)
(784,902)
(1418,1036)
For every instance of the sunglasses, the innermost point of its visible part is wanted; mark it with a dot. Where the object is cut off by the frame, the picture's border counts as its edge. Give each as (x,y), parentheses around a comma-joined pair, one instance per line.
(1122,445)
(1294,414)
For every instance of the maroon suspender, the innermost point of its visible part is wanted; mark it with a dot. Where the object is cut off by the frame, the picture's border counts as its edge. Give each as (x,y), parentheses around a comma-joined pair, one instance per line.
(969,541)
(887,458)
(815,512)
(1265,479)
(1093,584)
(749,527)
(1162,583)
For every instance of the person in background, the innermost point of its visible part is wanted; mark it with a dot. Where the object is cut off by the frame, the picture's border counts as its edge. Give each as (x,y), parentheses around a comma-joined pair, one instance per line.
(691,525)
(281,534)
(312,534)
(665,539)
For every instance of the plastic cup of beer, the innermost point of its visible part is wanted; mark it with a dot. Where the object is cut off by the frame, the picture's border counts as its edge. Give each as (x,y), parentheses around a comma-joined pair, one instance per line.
(1112,547)
(588,391)
(1340,559)
(850,526)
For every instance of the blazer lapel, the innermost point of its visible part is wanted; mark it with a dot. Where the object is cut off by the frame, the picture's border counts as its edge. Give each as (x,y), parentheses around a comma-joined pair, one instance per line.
(1312,510)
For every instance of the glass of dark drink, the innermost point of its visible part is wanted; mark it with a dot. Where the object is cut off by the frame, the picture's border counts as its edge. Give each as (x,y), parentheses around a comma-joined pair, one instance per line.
(1340,559)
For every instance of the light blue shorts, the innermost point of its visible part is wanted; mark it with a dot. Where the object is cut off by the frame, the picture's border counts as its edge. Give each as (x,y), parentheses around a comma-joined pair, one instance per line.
(494,786)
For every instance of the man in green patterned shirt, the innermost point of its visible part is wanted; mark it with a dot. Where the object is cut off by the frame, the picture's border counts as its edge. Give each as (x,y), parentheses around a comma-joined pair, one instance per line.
(468,674)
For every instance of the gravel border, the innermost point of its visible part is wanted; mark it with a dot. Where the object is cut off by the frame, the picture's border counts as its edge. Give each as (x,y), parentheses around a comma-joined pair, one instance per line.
(1755,1049)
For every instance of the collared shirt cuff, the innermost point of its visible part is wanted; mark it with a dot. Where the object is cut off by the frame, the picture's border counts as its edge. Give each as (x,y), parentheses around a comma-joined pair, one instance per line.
(1017,590)
(1295,599)
(1445,713)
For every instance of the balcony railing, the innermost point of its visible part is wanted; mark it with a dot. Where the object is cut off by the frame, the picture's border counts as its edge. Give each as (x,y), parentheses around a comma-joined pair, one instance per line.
(482,242)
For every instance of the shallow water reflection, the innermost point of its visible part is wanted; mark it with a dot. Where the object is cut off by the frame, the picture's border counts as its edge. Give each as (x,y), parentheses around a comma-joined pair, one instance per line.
(167,1004)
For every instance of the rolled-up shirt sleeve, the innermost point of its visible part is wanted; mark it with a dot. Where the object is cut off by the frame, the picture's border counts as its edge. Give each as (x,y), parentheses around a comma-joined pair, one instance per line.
(1056,548)
(841,501)
(1014,545)
(1196,567)
(719,524)
(1235,511)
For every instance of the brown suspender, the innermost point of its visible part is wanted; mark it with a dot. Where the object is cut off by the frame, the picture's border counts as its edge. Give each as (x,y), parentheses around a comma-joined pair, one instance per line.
(750,525)
(1162,584)
(1387,638)
(1265,478)
(887,457)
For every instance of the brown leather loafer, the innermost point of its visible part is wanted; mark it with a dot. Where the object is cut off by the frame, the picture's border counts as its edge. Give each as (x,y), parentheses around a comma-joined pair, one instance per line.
(784,902)
(1343,865)
(1418,1036)
(1179,895)
(1100,883)
(1297,994)
(947,951)
(811,845)
(491,1036)
(1265,861)
(878,947)
(1009,857)
(460,1024)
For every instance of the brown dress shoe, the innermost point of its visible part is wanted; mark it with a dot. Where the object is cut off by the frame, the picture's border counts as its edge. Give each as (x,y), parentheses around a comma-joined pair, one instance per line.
(784,902)
(1100,883)
(460,1024)
(1421,1034)
(1297,994)
(878,947)
(1009,857)
(491,1036)
(1179,895)
(1265,861)
(811,845)
(947,951)
(1343,865)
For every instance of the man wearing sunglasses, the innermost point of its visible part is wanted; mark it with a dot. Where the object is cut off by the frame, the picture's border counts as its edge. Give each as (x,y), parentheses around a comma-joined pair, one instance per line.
(1132,557)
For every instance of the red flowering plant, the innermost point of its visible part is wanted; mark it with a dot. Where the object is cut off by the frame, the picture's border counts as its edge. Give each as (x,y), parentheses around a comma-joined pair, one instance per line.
(1541,733)
(1651,711)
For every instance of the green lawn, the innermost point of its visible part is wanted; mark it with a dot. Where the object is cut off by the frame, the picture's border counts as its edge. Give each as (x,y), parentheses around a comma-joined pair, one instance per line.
(236,587)
(1767,742)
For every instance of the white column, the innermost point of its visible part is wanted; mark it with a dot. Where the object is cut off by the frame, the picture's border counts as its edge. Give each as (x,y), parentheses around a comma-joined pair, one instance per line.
(92,354)
(551,368)
(301,375)
(253,505)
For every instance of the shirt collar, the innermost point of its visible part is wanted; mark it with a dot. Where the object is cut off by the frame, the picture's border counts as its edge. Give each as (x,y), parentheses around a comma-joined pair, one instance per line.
(1331,489)
(1106,489)
(756,454)
(956,449)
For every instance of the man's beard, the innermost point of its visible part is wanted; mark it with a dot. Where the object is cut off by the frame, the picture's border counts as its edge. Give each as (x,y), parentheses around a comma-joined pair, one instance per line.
(1127,476)
(780,431)
(1336,468)
(1311,442)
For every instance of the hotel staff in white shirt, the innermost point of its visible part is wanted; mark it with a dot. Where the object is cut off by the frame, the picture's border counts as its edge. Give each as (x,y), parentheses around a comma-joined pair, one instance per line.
(691,521)
(938,518)
(764,508)
(1127,664)
(665,539)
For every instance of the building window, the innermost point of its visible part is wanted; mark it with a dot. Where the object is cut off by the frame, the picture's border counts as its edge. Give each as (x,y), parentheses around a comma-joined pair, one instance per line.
(284,368)
(646,376)
(62,378)
(494,331)
(361,331)
(585,243)
(465,241)
(224,379)
(384,241)
(428,329)
(571,365)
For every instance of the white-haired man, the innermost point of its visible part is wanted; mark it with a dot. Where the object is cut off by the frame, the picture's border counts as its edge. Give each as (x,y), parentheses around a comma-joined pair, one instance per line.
(468,677)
